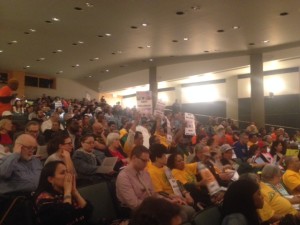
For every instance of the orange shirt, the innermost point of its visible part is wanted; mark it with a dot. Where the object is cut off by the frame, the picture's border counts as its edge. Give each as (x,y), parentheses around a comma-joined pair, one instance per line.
(5,92)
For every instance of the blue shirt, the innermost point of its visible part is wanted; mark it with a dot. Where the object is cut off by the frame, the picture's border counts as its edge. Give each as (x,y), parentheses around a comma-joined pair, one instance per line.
(17,174)
(241,150)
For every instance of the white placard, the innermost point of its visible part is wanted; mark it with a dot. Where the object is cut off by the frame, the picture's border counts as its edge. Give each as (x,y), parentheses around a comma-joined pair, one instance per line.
(144,102)
(190,128)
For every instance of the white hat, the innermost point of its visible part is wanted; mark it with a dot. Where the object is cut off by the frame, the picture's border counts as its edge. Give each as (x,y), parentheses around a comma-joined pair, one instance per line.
(6,113)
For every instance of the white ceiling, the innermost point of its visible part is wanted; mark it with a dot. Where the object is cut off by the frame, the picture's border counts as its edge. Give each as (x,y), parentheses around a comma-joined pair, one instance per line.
(126,49)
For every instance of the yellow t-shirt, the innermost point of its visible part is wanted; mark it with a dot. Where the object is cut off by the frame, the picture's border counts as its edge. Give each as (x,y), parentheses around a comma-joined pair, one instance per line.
(291,179)
(187,175)
(279,204)
(163,139)
(266,213)
(159,179)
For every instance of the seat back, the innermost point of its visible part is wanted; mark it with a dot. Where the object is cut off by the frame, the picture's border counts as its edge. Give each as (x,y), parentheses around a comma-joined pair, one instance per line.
(100,197)
(211,216)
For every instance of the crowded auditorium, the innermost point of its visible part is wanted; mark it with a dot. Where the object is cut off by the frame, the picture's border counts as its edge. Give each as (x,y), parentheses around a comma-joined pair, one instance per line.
(149,112)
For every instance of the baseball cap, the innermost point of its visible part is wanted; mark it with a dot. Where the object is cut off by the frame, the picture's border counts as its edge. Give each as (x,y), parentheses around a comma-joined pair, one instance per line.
(6,113)
(224,148)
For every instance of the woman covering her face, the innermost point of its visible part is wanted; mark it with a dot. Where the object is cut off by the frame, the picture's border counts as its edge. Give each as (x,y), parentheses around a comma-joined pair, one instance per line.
(57,200)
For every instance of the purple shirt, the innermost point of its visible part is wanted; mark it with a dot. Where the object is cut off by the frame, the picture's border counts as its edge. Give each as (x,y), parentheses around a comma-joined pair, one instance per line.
(133,187)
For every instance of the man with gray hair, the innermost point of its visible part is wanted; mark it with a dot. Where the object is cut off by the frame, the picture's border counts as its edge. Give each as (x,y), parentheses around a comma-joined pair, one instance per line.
(20,171)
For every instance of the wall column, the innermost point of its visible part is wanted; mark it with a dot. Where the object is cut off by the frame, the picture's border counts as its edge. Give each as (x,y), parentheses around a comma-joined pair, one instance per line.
(153,85)
(232,101)
(257,90)
(178,94)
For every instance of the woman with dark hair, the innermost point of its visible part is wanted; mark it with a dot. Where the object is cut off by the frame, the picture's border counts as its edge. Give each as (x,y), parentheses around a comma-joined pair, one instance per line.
(241,201)
(86,159)
(156,211)
(277,152)
(186,175)
(18,108)
(57,200)
(60,149)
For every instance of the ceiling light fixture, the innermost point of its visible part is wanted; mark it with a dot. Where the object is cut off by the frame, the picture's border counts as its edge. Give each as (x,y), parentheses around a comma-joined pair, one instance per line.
(90,76)
(107,34)
(32,30)
(284,14)
(148,46)
(107,70)
(179,13)
(76,65)
(55,19)
(89,4)
(195,7)
(235,27)
(26,67)
(151,60)
(12,42)
(185,39)
(144,24)
(119,52)
(266,41)
(1,51)
(41,59)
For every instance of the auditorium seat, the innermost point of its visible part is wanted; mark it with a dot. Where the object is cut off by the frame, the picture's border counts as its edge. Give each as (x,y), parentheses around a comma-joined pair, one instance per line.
(211,216)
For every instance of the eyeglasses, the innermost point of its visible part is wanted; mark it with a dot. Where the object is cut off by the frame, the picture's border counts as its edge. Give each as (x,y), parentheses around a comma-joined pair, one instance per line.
(144,160)
(31,148)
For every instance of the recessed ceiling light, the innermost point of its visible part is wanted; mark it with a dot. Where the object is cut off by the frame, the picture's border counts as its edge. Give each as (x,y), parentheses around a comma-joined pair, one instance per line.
(266,41)
(55,19)
(195,7)
(26,67)
(148,46)
(144,24)
(284,14)
(220,31)
(90,76)
(89,4)
(80,42)
(179,13)
(107,34)
(41,59)
(119,52)
(57,51)
(76,65)
(107,70)
(251,43)
(1,51)
(133,27)
(94,59)
(235,27)
(32,30)
(174,40)
(140,47)
(185,39)
(12,42)
(78,8)
(151,60)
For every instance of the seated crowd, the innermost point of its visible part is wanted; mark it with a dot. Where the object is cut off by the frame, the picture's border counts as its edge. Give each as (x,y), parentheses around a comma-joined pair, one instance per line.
(252,175)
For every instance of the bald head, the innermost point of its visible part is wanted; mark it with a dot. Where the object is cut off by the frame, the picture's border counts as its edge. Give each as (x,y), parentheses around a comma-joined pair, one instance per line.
(292,163)
(97,128)
(25,145)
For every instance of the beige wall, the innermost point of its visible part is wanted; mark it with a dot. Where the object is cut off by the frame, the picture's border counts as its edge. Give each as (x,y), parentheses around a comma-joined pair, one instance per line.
(64,88)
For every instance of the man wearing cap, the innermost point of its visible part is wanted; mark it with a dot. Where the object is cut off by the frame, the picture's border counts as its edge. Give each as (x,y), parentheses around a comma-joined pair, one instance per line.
(7,115)
(226,158)
(20,171)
